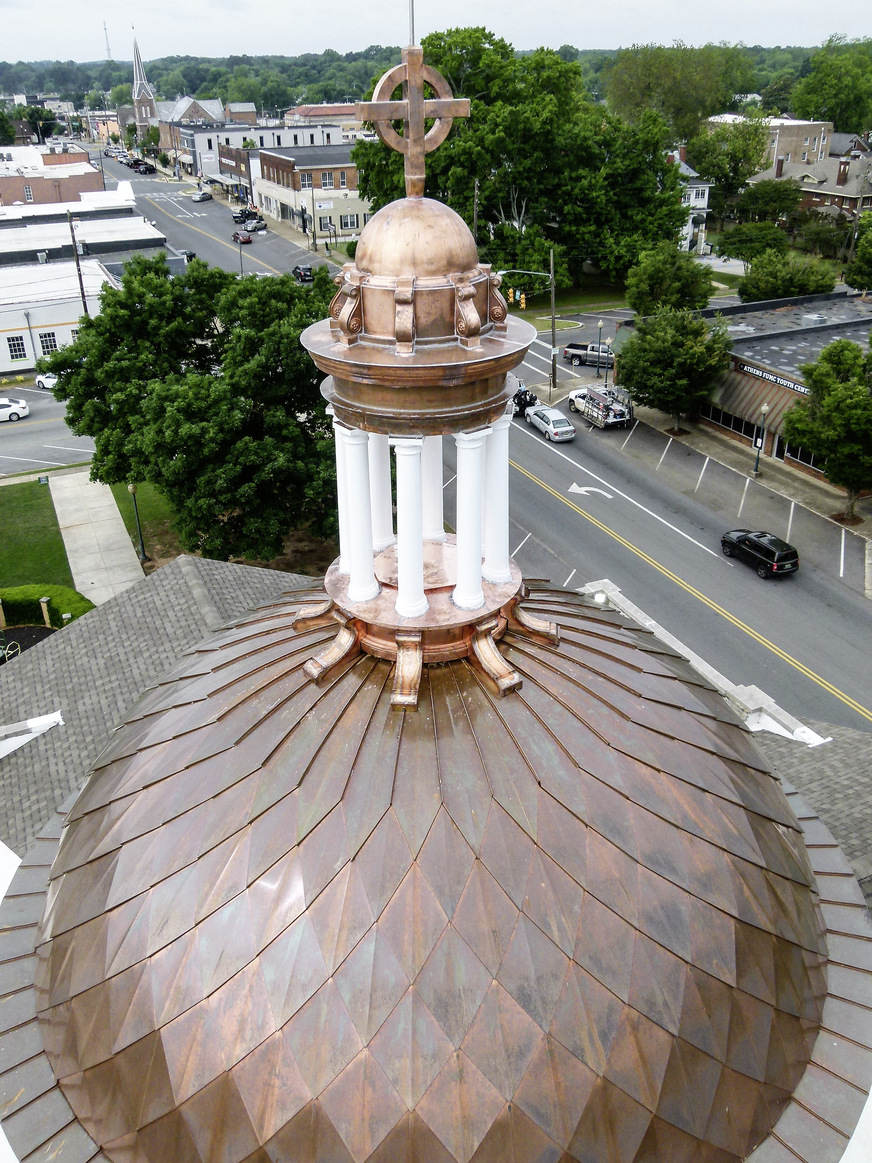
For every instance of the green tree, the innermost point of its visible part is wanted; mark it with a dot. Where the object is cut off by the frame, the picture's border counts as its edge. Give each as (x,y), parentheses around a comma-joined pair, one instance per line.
(858,273)
(673,360)
(775,97)
(120,95)
(838,86)
(773,275)
(683,85)
(768,200)
(94,99)
(198,384)
(7,131)
(728,155)
(748,241)
(668,277)
(835,422)
(41,121)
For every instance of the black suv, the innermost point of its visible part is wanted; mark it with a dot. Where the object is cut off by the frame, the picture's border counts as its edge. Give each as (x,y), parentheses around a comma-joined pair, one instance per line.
(769,555)
(303,274)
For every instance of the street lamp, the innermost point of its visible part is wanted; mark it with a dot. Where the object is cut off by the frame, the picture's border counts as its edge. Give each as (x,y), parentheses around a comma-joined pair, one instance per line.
(599,344)
(608,345)
(764,412)
(143,556)
(552,381)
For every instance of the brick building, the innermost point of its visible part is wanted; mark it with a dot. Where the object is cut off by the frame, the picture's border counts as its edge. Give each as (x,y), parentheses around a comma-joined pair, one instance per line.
(313,184)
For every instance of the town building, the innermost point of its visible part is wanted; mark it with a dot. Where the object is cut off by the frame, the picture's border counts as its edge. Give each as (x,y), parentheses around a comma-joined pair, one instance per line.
(40,309)
(770,343)
(45,174)
(795,141)
(315,188)
(695,196)
(838,186)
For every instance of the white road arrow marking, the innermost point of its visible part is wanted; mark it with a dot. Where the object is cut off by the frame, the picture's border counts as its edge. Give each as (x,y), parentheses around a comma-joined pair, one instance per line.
(586,490)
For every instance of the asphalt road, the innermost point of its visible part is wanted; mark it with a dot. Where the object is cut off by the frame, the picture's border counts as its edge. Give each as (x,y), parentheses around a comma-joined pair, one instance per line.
(41,440)
(586,511)
(206,227)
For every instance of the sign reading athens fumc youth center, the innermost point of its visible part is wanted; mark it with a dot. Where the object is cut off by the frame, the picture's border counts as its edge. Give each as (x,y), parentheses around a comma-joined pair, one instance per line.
(761,374)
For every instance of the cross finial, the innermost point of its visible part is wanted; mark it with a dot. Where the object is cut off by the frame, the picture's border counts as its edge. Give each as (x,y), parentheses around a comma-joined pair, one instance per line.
(414,110)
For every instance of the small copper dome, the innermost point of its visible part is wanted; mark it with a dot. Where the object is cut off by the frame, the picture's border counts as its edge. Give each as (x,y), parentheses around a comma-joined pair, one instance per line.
(416,237)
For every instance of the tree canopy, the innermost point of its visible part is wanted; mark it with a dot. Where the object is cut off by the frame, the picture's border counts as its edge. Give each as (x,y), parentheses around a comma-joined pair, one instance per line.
(769,200)
(838,86)
(198,384)
(728,155)
(668,277)
(774,275)
(535,153)
(684,85)
(748,241)
(858,273)
(835,422)
(672,361)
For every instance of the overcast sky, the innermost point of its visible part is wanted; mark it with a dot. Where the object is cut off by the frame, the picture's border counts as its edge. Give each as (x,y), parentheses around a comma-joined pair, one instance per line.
(59,30)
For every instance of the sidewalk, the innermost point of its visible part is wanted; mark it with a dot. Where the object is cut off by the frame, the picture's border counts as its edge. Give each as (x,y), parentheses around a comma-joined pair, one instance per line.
(102,559)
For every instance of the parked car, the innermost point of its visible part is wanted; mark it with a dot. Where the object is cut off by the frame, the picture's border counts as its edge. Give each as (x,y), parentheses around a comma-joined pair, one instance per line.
(303,274)
(201,196)
(13,409)
(144,167)
(255,224)
(240,217)
(580,394)
(768,554)
(240,236)
(46,380)
(188,254)
(551,422)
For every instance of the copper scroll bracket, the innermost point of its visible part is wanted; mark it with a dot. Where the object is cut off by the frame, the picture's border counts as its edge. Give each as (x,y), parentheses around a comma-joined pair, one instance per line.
(344,646)
(486,658)
(522,620)
(408,669)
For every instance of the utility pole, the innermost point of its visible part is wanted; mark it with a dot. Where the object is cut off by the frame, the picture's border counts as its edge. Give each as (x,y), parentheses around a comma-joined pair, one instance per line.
(78,264)
(553,331)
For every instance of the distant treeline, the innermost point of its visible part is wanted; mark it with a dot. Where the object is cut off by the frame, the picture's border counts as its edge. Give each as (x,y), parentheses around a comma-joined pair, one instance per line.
(274,83)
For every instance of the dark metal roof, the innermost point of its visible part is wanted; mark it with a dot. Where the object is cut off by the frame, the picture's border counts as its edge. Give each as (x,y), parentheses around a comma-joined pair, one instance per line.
(309,156)
(287,919)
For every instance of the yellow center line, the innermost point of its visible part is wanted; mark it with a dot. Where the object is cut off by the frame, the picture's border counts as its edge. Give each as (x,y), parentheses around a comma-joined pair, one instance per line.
(731,618)
(206,234)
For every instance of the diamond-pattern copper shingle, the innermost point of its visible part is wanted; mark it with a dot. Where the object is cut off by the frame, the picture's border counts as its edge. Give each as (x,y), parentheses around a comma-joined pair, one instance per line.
(288,921)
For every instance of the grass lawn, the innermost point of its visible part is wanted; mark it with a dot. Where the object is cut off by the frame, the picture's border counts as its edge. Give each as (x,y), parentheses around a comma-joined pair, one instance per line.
(31,548)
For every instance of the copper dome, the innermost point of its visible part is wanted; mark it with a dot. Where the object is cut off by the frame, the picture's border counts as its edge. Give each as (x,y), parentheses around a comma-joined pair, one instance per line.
(290,922)
(417,237)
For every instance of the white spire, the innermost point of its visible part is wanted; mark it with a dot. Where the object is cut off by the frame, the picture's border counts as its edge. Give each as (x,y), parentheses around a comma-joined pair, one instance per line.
(141,87)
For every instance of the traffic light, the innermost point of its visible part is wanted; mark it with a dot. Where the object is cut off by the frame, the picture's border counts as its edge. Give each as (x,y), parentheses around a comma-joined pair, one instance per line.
(511,294)
(523,301)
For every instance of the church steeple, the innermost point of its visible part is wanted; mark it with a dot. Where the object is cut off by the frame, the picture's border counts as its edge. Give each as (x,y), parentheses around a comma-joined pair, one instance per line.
(144,107)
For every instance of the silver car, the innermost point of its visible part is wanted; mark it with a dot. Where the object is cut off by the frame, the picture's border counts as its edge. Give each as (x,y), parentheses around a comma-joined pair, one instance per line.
(551,422)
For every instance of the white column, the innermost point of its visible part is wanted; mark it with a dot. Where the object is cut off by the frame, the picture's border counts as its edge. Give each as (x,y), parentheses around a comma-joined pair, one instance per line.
(341,491)
(362,584)
(496,566)
(411,599)
(434,520)
(380,491)
(468,593)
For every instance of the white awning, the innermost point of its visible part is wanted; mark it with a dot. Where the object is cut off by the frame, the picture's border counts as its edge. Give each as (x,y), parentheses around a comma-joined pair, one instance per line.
(185,159)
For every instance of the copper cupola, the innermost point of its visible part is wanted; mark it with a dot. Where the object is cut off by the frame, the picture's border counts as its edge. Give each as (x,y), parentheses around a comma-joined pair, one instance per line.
(417,348)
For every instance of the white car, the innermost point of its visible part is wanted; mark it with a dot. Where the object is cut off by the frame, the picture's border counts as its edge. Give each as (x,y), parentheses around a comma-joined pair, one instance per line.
(46,380)
(13,409)
(551,422)
(576,397)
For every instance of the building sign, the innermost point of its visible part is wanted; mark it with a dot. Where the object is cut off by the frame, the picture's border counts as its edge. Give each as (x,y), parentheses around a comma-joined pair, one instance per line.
(771,377)
(323,205)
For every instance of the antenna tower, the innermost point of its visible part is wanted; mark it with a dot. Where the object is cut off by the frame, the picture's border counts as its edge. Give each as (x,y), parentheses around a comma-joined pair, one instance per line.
(108,49)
